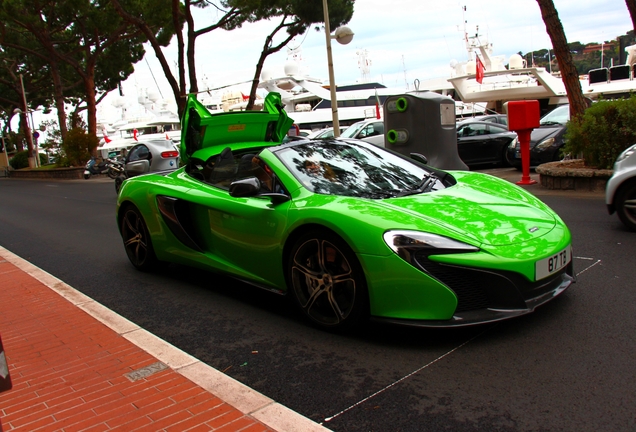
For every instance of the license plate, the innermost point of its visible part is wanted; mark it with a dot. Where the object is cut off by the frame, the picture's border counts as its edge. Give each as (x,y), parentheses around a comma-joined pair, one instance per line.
(553,263)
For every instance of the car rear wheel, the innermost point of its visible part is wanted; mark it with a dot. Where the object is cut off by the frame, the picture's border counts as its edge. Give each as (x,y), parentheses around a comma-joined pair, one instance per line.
(626,205)
(137,243)
(118,182)
(327,281)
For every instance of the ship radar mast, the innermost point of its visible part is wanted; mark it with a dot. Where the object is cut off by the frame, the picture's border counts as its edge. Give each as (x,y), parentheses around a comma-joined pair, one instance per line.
(364,64)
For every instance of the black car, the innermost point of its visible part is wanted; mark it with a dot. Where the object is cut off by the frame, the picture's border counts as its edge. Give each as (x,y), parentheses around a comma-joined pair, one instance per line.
(546,141)
(483,142)
(501,119)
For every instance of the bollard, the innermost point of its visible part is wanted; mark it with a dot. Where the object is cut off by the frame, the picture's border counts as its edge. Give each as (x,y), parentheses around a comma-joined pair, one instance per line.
(523,116)
(5,377)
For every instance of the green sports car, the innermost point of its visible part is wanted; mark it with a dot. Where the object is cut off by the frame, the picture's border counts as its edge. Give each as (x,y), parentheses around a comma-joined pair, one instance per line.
(350,230)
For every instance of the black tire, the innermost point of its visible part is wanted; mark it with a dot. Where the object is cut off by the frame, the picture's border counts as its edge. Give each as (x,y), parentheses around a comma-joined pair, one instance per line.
(625,204)
(327,281)
(136,237)
(112,173)
(510,161)
(118,181)
(503,161)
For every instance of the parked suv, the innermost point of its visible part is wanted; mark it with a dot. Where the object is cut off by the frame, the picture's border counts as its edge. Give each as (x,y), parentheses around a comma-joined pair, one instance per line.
(620,192)
(546,141)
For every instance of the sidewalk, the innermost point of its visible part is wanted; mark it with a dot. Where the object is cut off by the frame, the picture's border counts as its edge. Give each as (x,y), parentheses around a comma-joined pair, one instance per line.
(76,365)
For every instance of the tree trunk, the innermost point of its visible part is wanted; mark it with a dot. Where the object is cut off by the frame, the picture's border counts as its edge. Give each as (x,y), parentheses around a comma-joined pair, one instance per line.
(145,29)
(267,50)
(192,70)
(569,74)
(91,108)
(59,97)
(631,7)
(28,134)
(176,22)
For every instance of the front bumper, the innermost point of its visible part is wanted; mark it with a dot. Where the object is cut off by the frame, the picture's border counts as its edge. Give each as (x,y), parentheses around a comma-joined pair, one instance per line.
(486,296)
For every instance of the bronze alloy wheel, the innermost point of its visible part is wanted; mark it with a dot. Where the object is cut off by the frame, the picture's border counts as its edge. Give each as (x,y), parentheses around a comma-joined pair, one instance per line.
(327,281)
(137,240)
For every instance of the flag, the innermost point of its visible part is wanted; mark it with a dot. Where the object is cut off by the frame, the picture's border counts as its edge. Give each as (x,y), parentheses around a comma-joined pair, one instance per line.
(479,76)
(135,134)
(106,139)
(245,97)
(377,104)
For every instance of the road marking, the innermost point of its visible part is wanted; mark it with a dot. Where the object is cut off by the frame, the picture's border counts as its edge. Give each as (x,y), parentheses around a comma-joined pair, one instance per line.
(588,267)
(328,419)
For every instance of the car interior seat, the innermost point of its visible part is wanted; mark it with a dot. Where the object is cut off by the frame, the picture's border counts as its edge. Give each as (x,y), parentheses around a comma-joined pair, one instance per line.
(224,168)
(245,166)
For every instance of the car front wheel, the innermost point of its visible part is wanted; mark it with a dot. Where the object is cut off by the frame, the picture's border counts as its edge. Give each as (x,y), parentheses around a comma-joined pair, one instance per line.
(626,205)
(137,243)
(327,281)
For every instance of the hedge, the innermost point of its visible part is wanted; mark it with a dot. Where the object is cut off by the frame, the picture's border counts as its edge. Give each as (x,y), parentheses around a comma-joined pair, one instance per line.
(605,130)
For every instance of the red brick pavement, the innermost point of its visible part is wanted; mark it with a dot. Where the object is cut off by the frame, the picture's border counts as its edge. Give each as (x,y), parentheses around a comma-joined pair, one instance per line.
(68,372)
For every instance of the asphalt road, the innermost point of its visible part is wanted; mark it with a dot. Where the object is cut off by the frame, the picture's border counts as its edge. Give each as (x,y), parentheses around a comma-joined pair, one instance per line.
(569,366)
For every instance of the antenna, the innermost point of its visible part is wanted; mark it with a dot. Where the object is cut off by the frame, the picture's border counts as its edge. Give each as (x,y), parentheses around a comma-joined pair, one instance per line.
(404,67)
(364,64)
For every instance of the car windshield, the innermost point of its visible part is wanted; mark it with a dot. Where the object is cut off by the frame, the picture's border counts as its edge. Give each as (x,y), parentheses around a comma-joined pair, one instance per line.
(357,170)
(559,115)
(352,130)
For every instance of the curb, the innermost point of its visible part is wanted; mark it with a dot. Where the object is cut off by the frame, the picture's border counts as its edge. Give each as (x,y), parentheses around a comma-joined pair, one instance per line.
(231,391)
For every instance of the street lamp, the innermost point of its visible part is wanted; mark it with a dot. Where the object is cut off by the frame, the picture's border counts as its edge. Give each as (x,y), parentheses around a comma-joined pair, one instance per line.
(33,160)
(343,35)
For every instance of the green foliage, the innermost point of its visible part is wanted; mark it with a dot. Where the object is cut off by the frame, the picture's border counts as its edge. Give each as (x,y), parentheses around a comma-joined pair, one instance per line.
(584,62)
(77,148)
(605,130)
(10,139)
(20,160)
(54,137)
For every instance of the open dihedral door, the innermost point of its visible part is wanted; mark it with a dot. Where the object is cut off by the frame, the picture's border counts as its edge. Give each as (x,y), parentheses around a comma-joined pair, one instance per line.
(204,134)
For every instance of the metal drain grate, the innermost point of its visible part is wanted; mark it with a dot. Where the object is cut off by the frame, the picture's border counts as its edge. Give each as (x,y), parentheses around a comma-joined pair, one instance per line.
(145,372)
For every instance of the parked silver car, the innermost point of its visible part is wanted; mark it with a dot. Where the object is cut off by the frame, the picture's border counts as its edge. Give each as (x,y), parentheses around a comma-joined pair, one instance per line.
(149,156)
(620,192)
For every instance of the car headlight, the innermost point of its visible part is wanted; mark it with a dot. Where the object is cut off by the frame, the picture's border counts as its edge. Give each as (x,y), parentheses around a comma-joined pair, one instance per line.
(513,144)
(545,144)
(626,153)
(404,243)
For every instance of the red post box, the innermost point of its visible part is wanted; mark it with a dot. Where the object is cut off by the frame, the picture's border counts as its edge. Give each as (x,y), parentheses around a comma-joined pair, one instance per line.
(523,116)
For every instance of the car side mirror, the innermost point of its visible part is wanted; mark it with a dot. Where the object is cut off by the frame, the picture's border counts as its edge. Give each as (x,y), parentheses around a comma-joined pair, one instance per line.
(251,187)
(246,187)
(420,158)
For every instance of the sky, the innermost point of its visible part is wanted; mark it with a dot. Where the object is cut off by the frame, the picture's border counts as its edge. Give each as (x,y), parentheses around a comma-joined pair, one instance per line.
(403,39)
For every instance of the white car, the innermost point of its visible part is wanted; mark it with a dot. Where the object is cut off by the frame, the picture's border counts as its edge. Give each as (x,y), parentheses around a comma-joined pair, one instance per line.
(367,130)
(323,133)
(620,192)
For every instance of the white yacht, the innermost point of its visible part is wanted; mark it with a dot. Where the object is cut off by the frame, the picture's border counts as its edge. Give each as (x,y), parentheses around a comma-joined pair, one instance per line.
(308,101)
(160,124)
(500,84)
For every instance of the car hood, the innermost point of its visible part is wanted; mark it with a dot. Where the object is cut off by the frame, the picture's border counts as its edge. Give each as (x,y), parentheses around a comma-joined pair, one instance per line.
(480,208)
(204,134)
(544,132)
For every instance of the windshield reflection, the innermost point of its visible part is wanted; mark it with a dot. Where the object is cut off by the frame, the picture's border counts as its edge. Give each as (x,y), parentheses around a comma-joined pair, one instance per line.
(347,169)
